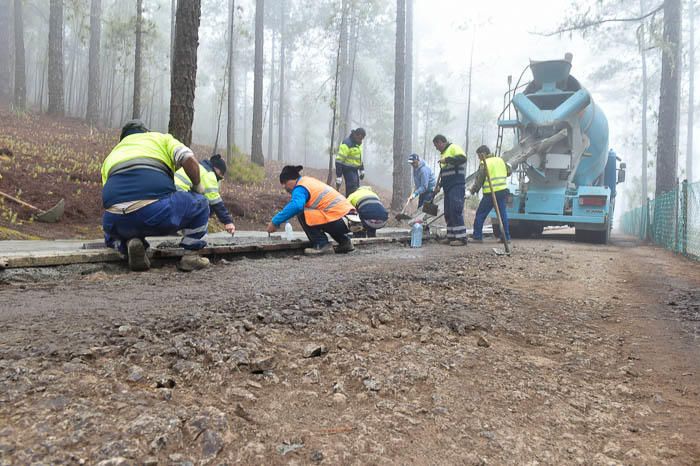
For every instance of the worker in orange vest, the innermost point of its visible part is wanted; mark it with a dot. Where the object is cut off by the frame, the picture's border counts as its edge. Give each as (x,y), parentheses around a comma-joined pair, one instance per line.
(318,207)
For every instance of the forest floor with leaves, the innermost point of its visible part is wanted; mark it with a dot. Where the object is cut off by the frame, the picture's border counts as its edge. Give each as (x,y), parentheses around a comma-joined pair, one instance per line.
(564,353)
(44,159)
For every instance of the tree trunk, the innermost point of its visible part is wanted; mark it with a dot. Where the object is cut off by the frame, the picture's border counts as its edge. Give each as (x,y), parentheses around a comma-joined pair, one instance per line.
(56,103)
(398,195)
(93,104)
(469,102)
(350,77)
(281,108)
(691,92)
(641,40)
(231,113)
(5,57)
(408,103)
(343,78)
(245,110)
(20,99)
(334,101)
(669,101)
(136,106)
(271,100)
(221,109)
(184,80)
(256,139)
(173,31)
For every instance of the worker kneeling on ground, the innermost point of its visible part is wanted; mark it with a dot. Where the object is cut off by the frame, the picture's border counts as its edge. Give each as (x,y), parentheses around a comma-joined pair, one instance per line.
(319,208)
(373,215)
(211,172)
(452,180)
(140,199)
(498,171)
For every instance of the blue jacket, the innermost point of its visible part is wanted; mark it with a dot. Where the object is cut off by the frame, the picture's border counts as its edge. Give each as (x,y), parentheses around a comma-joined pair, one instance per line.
(423,179)
(295,206)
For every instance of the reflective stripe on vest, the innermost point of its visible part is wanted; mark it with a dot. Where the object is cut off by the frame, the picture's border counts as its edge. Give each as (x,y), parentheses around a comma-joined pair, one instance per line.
(362,193)
(499,175)
(350,156)
(325,204)
(208,180)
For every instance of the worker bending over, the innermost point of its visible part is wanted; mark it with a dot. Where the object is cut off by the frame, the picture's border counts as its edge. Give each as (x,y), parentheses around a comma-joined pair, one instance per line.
(318,207)
(452,180)
(140,199)
(499,171)
(211,172)
(373,215)
(423,180)
(348,162)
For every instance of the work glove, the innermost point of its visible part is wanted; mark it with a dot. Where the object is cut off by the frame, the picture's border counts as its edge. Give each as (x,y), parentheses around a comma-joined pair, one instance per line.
(199,188)
(338,182)
(412,196)
(362,174)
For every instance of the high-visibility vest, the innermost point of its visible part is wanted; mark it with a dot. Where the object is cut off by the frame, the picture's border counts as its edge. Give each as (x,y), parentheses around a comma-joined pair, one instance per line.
(152,150)
(452,151)
(363,195)
(325,204)
(349,153)
(498,171)
(208,180)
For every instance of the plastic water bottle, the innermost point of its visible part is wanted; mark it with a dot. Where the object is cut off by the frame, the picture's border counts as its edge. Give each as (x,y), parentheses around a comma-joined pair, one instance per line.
(417,235)
(288,232)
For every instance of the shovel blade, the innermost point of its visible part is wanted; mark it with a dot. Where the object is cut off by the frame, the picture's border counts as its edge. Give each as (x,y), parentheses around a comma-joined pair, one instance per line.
(430,208)
(52,215)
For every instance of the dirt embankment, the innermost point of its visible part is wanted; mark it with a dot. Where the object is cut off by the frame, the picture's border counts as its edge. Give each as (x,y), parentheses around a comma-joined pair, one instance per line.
(44,159)
(562,354)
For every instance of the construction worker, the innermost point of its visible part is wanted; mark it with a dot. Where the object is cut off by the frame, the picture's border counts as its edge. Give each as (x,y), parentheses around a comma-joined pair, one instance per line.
(348,162)
(318,207)
(452,180)
(499,171)
(140,199)
(211,172)
(423,180)
(373,215)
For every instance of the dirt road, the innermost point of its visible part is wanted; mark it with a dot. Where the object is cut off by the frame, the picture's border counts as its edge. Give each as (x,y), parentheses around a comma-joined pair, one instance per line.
(564,353)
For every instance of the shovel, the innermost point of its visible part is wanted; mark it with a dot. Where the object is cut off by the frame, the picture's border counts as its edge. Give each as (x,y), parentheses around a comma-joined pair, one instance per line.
(506,244)
(430,207)
(52,215)
(402,215)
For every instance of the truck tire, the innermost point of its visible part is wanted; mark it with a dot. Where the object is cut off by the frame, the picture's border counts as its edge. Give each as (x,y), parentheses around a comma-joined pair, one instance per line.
(592,236)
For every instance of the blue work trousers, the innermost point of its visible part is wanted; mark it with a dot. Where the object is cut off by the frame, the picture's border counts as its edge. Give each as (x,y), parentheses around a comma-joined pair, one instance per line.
(185,211)
(352,179)
(317,233)
(454,211)
(484,209)
(373,216)
(424,197)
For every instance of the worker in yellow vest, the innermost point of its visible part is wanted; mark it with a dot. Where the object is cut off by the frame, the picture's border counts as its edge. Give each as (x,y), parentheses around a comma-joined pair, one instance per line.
(140,199)
(318,207)
(373,215)
(453,171)
(348,161)
(211,172)
(499,171)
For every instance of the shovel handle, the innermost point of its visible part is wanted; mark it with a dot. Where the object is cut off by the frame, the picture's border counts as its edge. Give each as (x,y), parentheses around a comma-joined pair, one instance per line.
(20,202)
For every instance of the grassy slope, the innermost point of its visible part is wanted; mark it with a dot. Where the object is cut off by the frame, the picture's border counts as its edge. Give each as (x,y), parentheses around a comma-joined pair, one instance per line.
(56,158)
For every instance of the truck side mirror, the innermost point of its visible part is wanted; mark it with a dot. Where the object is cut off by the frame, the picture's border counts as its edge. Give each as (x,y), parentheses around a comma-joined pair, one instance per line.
(621,173)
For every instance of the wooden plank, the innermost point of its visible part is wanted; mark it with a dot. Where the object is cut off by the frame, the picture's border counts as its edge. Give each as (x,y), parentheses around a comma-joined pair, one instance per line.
(86,256)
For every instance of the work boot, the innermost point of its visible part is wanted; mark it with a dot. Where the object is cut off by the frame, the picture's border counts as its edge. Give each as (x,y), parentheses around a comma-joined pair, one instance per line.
(190,262)
(136,252)
(319,250)
(345,247)
(458,242)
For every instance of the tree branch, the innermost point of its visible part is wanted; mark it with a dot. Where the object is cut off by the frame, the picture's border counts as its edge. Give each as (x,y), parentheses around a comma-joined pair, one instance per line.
(589,24)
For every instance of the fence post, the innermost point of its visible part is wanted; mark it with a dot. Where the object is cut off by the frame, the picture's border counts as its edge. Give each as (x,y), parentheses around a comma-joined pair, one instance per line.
(684,218)
(676,195)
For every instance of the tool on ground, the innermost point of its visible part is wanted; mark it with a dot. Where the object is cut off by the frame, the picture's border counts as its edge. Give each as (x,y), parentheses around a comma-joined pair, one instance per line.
(52,215)
(506,243)
(430,207)
(402,215)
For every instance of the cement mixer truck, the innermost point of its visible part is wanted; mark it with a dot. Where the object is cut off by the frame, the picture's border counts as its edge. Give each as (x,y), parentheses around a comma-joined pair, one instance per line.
(563,170)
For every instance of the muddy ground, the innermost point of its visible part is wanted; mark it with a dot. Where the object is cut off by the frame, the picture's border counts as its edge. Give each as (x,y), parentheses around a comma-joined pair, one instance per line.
(564,353)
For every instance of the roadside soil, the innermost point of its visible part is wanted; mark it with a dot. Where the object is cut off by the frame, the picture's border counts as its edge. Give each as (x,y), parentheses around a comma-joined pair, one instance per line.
(564,353)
